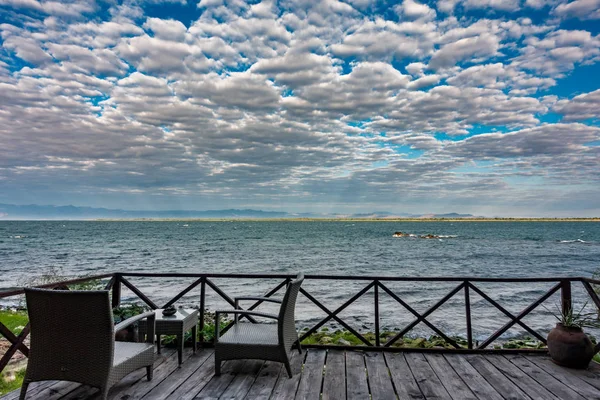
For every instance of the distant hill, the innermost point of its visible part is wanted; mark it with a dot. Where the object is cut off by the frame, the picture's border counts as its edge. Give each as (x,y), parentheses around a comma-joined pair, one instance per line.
(33,211)
(43,212)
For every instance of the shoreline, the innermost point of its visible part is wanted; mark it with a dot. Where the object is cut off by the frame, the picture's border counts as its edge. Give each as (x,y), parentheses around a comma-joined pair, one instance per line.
(594,219)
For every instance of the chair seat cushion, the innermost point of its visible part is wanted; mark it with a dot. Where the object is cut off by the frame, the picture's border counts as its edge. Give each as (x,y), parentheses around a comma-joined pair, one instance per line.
(125,351)
(248,333)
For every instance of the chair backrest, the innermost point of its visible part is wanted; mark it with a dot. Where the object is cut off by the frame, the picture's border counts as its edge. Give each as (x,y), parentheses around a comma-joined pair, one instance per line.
(72,335)
(287,321)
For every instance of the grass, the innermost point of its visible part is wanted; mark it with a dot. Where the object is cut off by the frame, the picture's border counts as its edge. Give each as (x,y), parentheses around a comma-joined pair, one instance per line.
(8,385)
(14,320)
(343,337)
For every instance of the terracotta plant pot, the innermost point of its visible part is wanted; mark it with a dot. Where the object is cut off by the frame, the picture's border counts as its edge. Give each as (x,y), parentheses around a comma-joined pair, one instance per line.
(570,347)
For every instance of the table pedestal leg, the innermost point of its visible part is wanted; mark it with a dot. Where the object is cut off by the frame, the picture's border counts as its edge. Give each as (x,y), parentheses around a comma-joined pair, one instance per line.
(180,348)
(195,337)
(158,344)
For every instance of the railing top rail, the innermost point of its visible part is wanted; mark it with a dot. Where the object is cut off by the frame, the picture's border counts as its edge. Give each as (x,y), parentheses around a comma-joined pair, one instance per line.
(358,277)
(15,292)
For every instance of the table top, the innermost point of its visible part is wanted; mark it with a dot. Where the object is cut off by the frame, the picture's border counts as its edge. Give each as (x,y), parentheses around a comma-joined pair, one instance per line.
(182,314)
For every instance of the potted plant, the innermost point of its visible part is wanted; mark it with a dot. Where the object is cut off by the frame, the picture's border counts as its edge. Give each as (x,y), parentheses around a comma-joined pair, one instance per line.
(568,345)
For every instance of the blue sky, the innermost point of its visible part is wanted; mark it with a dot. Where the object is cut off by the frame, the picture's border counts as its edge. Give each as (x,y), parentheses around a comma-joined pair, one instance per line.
(490,107)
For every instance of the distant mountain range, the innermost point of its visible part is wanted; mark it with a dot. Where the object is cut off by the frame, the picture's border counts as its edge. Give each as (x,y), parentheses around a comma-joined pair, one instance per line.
(43,212)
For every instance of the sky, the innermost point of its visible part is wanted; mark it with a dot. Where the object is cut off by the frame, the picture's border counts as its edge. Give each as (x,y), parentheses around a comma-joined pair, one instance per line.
(488,107)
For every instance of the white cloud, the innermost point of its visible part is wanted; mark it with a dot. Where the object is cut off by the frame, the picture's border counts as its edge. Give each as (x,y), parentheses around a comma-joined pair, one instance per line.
(483,46)
(582,9)
(582,107)
(412,9)
(166,29)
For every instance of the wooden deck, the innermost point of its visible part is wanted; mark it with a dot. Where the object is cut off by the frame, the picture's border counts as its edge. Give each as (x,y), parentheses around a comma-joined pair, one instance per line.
(337,374)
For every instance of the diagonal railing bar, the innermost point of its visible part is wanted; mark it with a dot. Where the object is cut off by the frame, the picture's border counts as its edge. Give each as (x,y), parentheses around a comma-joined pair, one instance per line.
(592,293)
(333,315)
(507,313)
(523,313)
(110,283)
(422,318)
(182,293)
(7,333)
(269,294)
(225,297)
(416,314)
(14,347)
(138,293)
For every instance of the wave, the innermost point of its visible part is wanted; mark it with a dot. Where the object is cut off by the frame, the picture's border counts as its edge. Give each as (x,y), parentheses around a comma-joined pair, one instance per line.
(572,241)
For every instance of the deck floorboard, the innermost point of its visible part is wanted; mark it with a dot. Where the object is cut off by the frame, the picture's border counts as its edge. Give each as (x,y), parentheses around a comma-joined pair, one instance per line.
(339,374)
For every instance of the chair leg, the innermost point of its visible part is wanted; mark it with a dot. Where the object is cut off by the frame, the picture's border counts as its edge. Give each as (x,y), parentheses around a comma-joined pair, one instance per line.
(23,390)
(299,346)
(288,367)
(217,367)
(104,393)
(149,372)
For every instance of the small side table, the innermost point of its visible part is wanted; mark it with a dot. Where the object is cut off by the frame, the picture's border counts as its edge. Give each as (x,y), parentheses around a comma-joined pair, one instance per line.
(179,323)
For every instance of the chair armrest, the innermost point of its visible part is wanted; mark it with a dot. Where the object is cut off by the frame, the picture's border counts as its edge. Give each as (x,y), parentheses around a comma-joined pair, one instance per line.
(151,323)
(257,298)
(269,299)
(237,312)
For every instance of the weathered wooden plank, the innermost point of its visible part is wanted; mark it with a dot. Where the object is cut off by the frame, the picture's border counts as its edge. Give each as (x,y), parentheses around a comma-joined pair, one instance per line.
(241,384)
(426,379)
(573,378)
(34,389)
(356,376)
(380,382)
(529,385)
(265,382)
(64,389)
(139,375)
(334,382)
(449,378)
(180,375)
(472,378)
(404,381)
(501,383)
(218,384)
(196,382)
(286,387)
(548,381)
(312,375)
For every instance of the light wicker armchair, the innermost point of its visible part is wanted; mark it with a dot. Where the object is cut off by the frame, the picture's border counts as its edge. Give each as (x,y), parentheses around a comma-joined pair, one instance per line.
(73,339)
(260,341)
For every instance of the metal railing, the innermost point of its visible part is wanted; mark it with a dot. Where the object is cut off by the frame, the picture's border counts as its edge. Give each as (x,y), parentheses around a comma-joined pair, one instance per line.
(378,284)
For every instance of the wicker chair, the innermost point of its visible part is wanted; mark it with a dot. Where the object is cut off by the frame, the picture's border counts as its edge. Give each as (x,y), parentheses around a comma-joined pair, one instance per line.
(260,341)
(73,339)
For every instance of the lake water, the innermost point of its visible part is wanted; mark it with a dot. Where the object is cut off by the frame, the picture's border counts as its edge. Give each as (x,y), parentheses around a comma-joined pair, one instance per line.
(478,249)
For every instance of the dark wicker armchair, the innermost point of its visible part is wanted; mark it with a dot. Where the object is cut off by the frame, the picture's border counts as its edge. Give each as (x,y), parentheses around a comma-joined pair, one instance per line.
(260,341)
(73,339)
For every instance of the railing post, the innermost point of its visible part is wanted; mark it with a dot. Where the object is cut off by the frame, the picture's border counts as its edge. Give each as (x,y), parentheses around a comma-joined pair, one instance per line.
(468,315)
(116,291)
(376,303)
(202,307)
(565,297)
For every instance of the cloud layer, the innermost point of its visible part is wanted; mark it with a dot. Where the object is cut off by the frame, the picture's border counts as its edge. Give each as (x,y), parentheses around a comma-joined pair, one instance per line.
(481,107)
